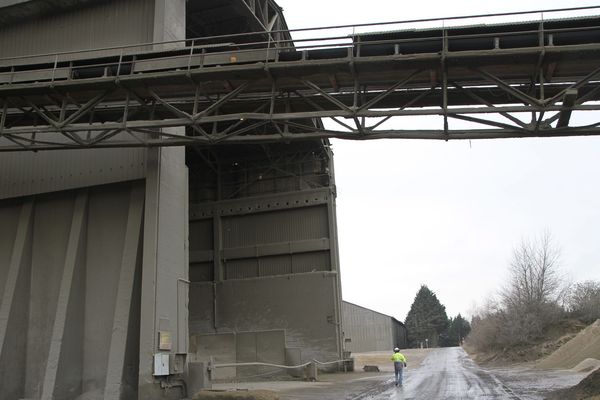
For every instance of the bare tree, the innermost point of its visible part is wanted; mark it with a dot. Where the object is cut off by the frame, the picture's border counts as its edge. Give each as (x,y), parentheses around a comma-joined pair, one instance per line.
(535,288)
(534,274)
(584,300)
(528,304)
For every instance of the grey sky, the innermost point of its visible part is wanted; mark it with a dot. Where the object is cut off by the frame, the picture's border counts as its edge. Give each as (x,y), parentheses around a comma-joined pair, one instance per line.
(449,214)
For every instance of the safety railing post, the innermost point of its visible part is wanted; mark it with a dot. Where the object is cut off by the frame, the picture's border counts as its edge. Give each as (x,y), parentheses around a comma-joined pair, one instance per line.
(191,54)
(54,69)
(120,61)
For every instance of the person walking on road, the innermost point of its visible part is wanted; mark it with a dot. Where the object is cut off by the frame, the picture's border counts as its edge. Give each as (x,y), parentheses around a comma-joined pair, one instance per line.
(399,365)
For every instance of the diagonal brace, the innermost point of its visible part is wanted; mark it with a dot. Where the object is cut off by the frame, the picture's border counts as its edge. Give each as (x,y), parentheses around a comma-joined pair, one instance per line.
(509,89)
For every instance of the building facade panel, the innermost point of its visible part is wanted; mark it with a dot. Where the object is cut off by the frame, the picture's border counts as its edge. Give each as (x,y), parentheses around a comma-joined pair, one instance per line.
(275,227)
(9,218)
(73,265)
(275,247)
(27,173)
(96,25)
(367,330)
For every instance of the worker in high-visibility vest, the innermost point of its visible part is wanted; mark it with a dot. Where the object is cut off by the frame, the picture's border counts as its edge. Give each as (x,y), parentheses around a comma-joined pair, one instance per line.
(399,365)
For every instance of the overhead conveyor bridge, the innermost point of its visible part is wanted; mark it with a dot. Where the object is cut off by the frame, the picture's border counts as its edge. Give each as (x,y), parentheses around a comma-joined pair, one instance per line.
(480,81)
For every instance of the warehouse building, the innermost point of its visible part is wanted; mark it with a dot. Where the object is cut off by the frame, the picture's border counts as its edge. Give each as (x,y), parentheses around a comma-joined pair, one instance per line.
(367,330)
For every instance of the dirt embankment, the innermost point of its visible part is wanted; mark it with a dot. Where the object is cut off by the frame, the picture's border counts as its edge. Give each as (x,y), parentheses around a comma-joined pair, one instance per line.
(566,347)
(582,352)
(555,337)
(587,389)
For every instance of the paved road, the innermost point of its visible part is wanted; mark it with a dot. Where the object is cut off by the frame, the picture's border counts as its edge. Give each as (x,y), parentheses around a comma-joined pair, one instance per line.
(448,374)
(445,374)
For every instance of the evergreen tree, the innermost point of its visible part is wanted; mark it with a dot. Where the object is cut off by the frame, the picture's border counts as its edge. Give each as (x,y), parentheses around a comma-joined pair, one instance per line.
(426,320)
(458,329)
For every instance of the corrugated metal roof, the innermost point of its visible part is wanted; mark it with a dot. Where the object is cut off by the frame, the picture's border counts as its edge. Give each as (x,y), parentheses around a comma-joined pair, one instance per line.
(373,311)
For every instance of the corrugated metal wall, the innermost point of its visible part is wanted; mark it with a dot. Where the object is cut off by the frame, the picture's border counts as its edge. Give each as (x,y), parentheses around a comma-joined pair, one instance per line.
(27,173)
(275,227)
(108,23)
(366,330)
(399,334)
(303,305)
(104,24)
(100,24)
(279,242)
(265,257)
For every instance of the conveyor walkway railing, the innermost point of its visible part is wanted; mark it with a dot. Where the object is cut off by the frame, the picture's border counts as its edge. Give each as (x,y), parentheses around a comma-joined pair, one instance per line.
(519,79)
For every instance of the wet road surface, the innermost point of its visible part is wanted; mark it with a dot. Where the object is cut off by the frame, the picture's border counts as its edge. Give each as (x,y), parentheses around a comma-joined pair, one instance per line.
(449,374)
(446,373)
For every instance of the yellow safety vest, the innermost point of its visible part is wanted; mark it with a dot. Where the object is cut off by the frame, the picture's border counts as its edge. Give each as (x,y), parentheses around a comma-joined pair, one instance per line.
(398,357)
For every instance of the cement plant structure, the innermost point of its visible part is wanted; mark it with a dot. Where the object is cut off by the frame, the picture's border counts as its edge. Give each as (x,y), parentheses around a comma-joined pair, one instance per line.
(97,275)
(127,258)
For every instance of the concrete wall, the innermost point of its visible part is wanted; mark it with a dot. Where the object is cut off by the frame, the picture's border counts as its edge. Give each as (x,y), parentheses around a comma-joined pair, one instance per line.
(69,312)
(163,264)
(368,330)
(302,305)
(240,347)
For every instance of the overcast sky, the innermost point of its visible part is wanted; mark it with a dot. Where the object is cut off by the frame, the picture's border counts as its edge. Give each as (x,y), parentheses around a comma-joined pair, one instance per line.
(448,214)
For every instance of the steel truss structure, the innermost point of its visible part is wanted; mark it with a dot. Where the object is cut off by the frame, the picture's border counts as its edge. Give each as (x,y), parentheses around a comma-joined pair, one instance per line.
(502,81)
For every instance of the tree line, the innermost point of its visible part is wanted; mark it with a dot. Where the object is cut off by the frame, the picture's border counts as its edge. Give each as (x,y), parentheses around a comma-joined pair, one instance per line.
(535,297)
(428,325)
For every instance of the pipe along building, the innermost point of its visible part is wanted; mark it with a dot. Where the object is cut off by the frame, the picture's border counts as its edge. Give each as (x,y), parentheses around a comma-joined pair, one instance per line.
(173,202)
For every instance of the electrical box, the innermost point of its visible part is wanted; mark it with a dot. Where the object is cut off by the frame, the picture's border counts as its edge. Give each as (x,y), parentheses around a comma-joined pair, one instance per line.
(161,364)
(177,363)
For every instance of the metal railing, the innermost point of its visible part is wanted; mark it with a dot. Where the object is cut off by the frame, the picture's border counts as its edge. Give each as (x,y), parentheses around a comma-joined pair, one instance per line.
(123,58)
(264,89)
(309,368)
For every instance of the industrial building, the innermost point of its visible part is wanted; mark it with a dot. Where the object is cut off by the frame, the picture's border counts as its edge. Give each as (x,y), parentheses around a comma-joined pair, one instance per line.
(368,330)
(102,293)
(128,260)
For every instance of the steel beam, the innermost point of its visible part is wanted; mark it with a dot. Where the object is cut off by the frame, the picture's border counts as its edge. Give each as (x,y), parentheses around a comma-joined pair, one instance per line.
(568,102)
(225,100)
